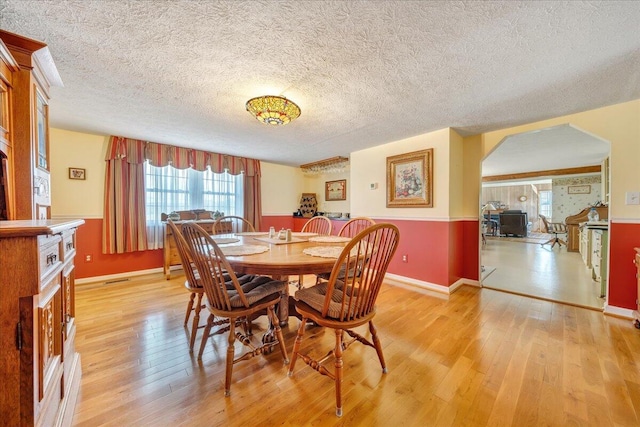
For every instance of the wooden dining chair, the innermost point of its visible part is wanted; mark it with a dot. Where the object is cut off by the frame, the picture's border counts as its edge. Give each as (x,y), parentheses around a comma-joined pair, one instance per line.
(232,224)
(242,301)
(318,224)
(192,284)
(350,229)
(355,226)
(343,305)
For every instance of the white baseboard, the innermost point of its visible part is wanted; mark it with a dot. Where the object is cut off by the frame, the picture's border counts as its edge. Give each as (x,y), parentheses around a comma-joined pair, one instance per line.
(407,281)
(115,277)
(612,310)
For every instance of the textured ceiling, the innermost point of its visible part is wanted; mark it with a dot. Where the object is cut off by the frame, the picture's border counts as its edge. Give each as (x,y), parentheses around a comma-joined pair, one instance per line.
(363,73)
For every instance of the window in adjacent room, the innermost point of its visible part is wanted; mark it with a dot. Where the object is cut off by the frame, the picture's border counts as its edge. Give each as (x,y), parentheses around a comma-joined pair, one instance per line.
(168,189)
(546,199)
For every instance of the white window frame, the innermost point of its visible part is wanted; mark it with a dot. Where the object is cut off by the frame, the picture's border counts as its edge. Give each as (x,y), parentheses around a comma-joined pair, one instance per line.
(168,189)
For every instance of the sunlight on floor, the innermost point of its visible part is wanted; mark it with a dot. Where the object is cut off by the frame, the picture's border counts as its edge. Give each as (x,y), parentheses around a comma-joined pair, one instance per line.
(543,272)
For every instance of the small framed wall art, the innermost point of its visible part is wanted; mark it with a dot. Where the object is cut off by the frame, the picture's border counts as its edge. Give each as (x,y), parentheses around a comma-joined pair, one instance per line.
(77,173)
(579,189)
(410,180)
(335,190)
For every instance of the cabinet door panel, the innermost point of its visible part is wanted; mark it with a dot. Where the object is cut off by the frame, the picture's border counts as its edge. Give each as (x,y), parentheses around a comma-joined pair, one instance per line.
(49,338)
(68,297)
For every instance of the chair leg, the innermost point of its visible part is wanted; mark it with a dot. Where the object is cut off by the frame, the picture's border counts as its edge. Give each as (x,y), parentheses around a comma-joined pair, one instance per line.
(189,308)
(378,346)
(271,314)
(547,242)
(196,321)
(205,335)
(337,352)
(230,354)
(296,346)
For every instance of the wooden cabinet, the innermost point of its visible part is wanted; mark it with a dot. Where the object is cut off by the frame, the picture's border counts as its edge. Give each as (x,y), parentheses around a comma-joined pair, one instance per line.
(170,251)
(573,226)
(585,245)
(40,367)
(636,313)
(8,66)
(26,73)
(599,252)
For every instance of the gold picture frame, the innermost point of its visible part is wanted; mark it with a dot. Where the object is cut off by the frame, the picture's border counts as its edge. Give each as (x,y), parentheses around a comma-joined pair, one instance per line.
(410,180)
(579,189)
(77,173)
(335,190)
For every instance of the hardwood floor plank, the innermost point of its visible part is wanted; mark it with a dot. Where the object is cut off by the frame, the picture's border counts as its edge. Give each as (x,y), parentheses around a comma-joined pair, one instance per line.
(475,358)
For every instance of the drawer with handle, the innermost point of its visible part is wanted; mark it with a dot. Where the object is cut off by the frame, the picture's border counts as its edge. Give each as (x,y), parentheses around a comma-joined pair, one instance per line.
(68,243)
(49,257)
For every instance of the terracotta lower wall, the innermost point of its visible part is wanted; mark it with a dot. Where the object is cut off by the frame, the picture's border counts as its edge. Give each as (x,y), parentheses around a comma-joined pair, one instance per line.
(438,252)
(89,242)
(623,238)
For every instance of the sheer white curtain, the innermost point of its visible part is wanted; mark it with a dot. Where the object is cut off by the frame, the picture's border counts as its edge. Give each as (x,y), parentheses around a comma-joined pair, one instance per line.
(169,189)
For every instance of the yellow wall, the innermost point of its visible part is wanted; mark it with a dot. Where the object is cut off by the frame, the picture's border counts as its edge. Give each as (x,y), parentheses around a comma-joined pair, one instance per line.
(370,166)
(77,198)
(472,158)
(620,125)
(455,159)
(317,184)
(456,175)
(282,187)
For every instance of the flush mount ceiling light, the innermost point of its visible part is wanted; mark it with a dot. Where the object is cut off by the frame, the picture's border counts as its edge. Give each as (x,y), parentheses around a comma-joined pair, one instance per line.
(273,110)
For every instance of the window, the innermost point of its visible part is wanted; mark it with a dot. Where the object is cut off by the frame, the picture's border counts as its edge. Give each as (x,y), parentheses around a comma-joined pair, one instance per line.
(546,199)
(168,189)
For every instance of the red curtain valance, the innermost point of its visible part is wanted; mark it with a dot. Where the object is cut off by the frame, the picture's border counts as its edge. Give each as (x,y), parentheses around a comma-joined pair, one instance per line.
(137,151)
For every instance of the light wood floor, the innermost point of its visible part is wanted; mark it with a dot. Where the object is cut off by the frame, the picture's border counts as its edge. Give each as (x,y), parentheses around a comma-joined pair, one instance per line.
(477,358)
(540,271)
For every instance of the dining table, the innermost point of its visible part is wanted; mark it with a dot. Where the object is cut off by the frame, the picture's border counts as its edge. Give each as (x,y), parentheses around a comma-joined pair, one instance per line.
(257,253)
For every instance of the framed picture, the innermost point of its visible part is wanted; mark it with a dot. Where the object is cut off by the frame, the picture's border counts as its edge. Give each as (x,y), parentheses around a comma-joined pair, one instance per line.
(77,173)
(410,180)
(579,189)
(335,190)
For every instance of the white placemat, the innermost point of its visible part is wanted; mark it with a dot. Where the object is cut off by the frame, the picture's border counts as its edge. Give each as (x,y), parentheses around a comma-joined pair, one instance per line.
(324,251)
(330,239)
(222,240)
(252,233)
(238,250)
(303,234)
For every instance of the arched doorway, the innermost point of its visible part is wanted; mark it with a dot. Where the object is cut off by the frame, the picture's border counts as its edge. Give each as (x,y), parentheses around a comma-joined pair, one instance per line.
(515,174)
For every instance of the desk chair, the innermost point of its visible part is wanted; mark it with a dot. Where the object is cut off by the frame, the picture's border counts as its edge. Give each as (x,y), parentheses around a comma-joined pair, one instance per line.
(555,228)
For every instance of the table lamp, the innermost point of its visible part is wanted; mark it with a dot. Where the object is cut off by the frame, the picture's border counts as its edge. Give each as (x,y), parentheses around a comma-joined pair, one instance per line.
(488,208)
